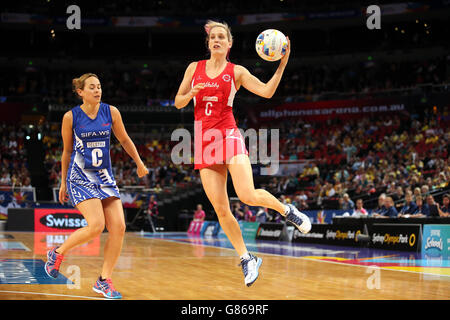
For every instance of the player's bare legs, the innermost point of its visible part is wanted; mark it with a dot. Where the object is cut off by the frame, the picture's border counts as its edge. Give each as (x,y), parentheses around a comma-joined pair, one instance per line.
(92,211)
(242,176)
(214,180)
(115,223)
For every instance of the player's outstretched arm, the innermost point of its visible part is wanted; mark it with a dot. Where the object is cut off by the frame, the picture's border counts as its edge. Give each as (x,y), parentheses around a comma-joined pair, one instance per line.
(254,85)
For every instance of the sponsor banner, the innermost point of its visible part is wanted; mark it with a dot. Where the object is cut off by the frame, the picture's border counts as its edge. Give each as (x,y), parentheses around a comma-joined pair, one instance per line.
(334,14)
(407,7)
(323,110)
(396,236)
(15,17)
(270,231)
(210,229)
(436,240)
(195,227)
(135,21)
(329,234)
(66,220)
(44,241)
(249,229)
(267,17)
(85,21)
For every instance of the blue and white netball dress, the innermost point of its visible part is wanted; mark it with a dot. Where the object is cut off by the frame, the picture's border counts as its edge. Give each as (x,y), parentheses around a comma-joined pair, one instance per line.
(90,172)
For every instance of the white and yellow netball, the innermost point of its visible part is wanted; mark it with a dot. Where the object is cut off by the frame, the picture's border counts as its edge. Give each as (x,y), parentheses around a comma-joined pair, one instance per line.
(271,45)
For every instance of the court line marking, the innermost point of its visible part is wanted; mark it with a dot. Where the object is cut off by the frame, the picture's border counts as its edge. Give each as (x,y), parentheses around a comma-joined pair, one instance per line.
(383,268)
(52,294)
(372,258)
(309,259)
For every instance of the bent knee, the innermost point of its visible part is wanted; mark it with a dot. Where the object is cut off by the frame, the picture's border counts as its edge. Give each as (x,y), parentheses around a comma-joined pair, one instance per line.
(118,228)
(97,228)
(222,211)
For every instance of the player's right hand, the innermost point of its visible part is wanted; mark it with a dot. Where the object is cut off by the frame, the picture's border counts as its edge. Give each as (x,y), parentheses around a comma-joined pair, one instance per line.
(63,196)
(194,91)
(141,170)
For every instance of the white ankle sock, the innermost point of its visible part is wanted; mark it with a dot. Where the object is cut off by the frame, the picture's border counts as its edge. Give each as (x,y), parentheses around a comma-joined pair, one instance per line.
(245,256)
(286,209)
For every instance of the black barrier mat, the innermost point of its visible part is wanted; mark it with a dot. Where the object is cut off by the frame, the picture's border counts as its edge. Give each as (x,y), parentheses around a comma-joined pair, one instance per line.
(342,234)
(406,237)
(272,231)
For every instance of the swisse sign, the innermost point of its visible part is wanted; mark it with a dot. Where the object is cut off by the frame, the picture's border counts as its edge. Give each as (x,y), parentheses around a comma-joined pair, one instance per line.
(66,220)
(396,236)
(270,231)
(329,234)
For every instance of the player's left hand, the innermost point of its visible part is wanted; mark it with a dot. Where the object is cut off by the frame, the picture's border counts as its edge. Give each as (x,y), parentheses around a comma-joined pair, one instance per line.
(141,170)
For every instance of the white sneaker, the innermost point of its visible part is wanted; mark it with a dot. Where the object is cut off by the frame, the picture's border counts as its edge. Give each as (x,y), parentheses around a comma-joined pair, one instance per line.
(298,219)
(250,268)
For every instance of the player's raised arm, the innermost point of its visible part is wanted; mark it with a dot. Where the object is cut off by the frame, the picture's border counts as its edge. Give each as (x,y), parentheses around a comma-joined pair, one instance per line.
(256,86)
(185,92)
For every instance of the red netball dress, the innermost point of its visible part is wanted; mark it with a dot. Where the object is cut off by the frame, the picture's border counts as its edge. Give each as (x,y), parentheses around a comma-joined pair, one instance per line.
(217,138)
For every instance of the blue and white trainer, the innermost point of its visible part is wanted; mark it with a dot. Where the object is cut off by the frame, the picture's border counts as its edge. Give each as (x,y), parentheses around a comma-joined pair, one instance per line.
(298,219)
(53,263)
(250,268)
(107,289)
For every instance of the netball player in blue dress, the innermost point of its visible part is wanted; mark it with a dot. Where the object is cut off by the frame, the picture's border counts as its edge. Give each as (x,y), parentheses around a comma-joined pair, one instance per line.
(87,178)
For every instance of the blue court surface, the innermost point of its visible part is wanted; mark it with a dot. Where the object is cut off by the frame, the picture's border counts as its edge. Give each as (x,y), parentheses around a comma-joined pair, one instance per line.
(357,256)
(27,271)
(13,245)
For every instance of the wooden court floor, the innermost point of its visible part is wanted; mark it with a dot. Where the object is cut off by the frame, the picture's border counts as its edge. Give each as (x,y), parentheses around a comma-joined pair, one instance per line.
(159,269)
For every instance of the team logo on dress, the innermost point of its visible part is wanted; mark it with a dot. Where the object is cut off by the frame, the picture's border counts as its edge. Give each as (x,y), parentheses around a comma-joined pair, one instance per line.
(212,85)
(226,77)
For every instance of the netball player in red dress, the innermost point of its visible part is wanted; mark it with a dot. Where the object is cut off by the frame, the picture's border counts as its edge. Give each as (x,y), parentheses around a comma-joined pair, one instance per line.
(218,145)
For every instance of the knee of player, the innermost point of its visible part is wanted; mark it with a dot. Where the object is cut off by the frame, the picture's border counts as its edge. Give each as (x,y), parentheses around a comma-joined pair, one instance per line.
(118,228)
(97,228)
(222,210)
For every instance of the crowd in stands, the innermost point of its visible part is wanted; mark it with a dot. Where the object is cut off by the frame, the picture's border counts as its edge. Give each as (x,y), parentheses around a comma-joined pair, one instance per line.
(312,82)
(348,163)
(345,161)
(149,85)
(363,158)
(182,7)
(13,156)
(54,86)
